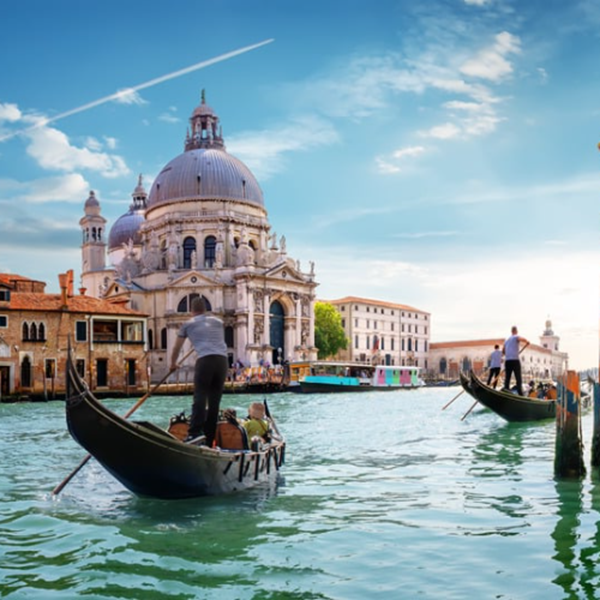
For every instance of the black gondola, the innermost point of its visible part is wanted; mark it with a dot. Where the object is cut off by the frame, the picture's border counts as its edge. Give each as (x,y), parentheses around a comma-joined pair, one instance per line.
(509,406)
(150,461)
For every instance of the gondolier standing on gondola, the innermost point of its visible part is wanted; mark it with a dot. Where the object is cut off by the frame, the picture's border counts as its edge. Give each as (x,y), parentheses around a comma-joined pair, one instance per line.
(512,363)
(207,335)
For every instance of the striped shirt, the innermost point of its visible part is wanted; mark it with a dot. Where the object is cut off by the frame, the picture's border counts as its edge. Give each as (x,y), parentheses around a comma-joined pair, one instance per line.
(206,333)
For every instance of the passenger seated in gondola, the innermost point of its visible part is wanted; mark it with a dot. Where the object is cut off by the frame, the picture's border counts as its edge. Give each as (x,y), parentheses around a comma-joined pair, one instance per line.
(551,392)
(256,425)
(230,435)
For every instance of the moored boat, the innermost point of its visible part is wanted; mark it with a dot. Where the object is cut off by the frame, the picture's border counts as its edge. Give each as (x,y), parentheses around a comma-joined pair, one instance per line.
(151,461)
(509,406)
(332,377)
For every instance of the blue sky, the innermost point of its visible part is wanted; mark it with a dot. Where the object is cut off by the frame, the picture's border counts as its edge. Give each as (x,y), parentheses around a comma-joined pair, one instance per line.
(441,154)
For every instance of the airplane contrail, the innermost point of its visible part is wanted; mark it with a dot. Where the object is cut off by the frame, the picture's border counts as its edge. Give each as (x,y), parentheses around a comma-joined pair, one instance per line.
(127,91)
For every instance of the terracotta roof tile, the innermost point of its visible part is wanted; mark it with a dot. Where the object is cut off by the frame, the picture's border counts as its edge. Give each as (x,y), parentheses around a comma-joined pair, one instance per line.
(76,304)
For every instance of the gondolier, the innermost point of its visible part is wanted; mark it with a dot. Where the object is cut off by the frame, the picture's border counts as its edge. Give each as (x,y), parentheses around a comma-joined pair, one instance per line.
(512,363)
(206,333)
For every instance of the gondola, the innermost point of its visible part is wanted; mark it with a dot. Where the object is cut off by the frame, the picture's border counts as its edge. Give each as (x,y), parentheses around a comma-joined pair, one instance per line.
(509,406)
(151,461)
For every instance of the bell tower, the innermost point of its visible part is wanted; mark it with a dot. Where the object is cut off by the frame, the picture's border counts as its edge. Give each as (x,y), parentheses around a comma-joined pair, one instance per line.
(93,248)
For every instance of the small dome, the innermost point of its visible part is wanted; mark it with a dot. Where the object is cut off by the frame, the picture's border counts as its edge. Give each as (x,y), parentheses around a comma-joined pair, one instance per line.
(92,206)
(126,227)
(205,174)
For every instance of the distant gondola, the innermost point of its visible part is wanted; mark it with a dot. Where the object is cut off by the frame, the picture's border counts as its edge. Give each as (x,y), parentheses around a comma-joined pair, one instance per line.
(509,406)
(150,461)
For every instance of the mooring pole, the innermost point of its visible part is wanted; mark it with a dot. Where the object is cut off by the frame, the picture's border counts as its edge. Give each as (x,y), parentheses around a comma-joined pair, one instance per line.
(596,434)
(568,459)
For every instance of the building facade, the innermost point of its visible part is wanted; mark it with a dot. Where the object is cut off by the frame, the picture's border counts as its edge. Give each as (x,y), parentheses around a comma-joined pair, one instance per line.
(107,340)
(384,332)
(203,231)
(538,361)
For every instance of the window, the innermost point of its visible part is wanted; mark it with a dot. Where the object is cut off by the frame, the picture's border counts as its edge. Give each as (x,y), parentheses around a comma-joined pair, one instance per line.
(25,332)
(101,372)
(374,324)
(344,323)
(189,247)
(392,326)
(343,308)
(80,367)
(50,368)
(150,339)
(356,342)
(80,331)
(210,247)
(26,372)
(382,343)
(229,336)
(355,322)
(163,338)
(132,331)
(3,321)
(42,332)
(33,332)
(105,331)
(368,309)
(130,364)
(416,345)
(392,343)
(4,295)
(368,342)
(368,323)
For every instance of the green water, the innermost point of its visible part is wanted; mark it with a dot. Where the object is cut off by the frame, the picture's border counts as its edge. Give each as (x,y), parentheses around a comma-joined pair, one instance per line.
(384,495)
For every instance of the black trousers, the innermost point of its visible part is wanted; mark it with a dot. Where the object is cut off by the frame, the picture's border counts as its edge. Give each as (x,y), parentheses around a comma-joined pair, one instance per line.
(209,378)
(513,366)
(493,374)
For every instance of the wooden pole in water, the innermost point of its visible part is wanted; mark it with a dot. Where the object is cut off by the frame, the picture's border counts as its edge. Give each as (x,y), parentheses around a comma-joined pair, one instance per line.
(568,458)
(596,435)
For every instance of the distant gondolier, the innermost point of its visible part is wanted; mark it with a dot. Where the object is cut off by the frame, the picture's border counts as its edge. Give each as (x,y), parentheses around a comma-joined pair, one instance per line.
(206,333)
(495,366)
(512,363)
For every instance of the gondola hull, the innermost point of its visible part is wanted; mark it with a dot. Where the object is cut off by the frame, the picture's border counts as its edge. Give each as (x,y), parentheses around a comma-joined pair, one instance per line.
(150,461)
(509,406)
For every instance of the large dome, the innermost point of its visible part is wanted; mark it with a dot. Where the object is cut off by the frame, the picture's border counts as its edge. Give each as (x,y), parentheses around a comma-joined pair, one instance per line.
(204,174)
(205,171)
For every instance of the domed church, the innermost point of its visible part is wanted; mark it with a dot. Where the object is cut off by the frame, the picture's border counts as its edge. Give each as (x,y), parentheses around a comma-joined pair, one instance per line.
(203,231)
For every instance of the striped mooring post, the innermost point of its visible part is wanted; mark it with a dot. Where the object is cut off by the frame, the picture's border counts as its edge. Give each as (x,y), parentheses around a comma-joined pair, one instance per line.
(568,458)
(596,435)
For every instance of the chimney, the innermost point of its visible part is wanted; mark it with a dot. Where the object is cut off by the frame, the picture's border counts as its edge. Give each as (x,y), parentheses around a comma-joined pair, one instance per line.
(82,291)
(70,283)
(63,283)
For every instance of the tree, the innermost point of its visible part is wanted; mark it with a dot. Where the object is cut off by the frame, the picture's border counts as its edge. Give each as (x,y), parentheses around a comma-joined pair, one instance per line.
(329,333)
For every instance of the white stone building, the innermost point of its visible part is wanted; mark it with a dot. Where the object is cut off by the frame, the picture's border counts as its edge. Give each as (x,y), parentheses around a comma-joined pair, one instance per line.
(384,332)
(203,231)
(538,361)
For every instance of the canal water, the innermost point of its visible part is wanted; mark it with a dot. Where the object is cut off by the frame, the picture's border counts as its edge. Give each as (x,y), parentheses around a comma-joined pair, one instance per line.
(383,495)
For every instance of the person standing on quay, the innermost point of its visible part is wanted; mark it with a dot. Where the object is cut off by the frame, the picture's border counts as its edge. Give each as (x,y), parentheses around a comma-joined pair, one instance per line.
(207,335)
(512,363)
(495,365)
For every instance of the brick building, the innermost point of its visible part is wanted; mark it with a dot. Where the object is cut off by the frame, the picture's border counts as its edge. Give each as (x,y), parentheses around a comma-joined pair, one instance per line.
(108,340)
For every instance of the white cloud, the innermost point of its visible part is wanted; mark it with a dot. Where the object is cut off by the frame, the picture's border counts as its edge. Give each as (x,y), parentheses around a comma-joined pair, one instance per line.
(446,131)
(477,2)
(129,96)
(397,161)
(491,63)
(52,150)
(64,188)
(264,151)
(9,112)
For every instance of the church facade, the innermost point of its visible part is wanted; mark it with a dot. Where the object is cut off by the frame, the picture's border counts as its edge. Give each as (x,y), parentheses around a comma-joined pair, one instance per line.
(203,230)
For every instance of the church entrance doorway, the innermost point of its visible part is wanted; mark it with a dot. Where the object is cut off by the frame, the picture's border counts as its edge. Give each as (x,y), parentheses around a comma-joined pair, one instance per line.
(276,337)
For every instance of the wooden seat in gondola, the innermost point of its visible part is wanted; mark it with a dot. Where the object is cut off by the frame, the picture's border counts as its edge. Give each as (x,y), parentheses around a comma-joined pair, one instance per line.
(231,436)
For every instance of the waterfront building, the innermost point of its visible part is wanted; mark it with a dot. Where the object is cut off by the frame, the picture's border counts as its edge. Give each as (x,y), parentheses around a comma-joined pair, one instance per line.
(107,338)
(203,230)
(538,361)
(382,332)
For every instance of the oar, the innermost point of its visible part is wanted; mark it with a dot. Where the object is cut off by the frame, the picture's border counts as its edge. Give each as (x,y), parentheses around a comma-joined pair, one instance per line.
(141,401)
(268,413)
(453,399)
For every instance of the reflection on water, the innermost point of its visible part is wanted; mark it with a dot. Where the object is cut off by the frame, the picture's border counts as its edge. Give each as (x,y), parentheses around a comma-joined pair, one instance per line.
(384,496)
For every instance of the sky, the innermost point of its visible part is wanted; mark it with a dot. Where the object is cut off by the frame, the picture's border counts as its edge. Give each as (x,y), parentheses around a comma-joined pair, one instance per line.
(440,154)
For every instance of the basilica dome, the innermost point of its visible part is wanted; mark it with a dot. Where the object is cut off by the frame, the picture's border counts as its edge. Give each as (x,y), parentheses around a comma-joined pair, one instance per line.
(205,171)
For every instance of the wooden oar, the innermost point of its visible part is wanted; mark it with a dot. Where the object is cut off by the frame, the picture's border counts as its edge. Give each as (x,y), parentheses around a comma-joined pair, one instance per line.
(141,401)
(453,399)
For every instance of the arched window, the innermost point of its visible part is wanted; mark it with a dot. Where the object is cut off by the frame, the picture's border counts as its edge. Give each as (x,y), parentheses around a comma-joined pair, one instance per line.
(42,332)
(25,332)
(466,364)
(163,338)
(150,339)
(443,366)
(189,247)
(33,332)
(185,304)
(163,255)
(210,246)
(26,372)
(410,344)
